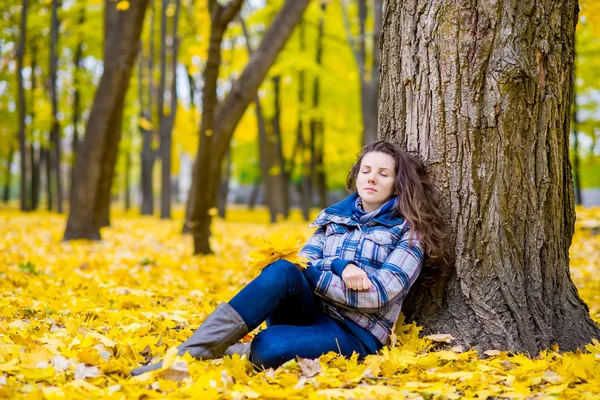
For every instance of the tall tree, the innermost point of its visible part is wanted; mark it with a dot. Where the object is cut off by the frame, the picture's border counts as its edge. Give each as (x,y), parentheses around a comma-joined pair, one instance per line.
(146,129)
(306,183)
(369,74)
(218,123)
(167,117)
(317,130)
(21,91)
(55,132)
(95,165)
(77,58)
(264,148)
(482,93)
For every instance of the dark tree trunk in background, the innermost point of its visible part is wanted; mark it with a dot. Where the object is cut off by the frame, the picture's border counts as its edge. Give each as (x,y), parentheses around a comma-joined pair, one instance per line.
(264,147)
(148,154)
(282,178)
(253,198)
(224,189)
(482,94)
(55,132)
(576,179)
(34,161)
(76,97)
(218,124)
(127,180)
(167,120)
(306,188)
(369,76)
(45,155)
(317,130)
(91,186)
(21,104)
(7,178)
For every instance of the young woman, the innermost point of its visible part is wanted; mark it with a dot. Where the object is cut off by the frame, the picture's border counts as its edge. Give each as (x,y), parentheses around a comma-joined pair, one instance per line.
(366,253)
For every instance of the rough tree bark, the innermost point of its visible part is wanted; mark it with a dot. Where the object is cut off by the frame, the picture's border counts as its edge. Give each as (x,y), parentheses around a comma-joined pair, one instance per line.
(482,92)
(218,124)
(21,94)
(99,147)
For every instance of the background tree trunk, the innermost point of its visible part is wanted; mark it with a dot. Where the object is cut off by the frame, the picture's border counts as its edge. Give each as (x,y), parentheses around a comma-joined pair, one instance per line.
(369,77)
(91,188)
(34,161)
(167,120)
(55,132)
(21,94)
(482,93)
(148,154)
(76,97)
(264,148)
(282,196)
(7,179)
(306,187)
(317,130)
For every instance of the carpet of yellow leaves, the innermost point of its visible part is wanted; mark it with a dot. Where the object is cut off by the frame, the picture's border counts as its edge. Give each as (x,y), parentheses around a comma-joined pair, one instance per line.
(76,317)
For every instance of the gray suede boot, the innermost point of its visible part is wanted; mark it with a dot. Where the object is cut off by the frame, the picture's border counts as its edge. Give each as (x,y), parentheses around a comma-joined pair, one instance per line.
(239,348)
(222,328)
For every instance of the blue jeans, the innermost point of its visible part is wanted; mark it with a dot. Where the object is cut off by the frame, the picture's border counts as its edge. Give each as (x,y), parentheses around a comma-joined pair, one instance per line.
(282,296)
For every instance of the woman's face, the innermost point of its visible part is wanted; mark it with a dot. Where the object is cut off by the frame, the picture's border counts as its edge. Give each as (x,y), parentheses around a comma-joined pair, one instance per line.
(375,180)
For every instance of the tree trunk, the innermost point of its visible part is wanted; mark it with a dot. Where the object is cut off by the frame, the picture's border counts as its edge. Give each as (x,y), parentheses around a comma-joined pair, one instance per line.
(223,120)
(7,179)
(576,180)
(253,198)
(148,154)
(264,148)
(167,119)
(127,180)
(35,163)
(21,93)
(76,98)
(100,145)
(482,93)
(45,154)
(55,132)
(317,130)
(369,80)
(306,188)
(282,196)
(224,189)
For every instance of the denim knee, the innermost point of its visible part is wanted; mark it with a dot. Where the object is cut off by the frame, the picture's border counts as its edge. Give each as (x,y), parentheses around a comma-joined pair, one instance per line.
(264,352)
(283,269)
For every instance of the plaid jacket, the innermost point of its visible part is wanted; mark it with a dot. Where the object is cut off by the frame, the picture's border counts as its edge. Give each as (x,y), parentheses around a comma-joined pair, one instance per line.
(380,247)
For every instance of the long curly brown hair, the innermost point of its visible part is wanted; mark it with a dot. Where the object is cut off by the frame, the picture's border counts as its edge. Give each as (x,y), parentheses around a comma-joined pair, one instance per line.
(417,199)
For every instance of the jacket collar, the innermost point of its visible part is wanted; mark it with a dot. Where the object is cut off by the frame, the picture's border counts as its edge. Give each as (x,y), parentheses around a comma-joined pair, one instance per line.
(341,213)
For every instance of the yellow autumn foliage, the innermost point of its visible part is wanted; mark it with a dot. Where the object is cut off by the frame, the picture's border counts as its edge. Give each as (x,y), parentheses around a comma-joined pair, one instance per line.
(76,317)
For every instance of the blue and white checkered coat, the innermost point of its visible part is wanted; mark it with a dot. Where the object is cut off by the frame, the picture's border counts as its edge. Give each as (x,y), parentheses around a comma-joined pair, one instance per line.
(380,247)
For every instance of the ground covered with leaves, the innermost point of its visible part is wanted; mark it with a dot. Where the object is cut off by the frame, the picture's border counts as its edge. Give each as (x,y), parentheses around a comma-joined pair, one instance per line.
(76,317)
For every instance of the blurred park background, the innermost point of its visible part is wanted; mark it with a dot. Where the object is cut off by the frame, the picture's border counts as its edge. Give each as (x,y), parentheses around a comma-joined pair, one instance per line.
(313,111)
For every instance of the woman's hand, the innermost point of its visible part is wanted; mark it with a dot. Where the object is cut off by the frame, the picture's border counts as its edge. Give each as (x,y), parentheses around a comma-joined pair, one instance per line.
(355,278)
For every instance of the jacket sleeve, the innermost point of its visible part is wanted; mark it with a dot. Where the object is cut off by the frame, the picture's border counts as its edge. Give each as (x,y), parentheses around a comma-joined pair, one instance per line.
(391,282)
(314,249)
